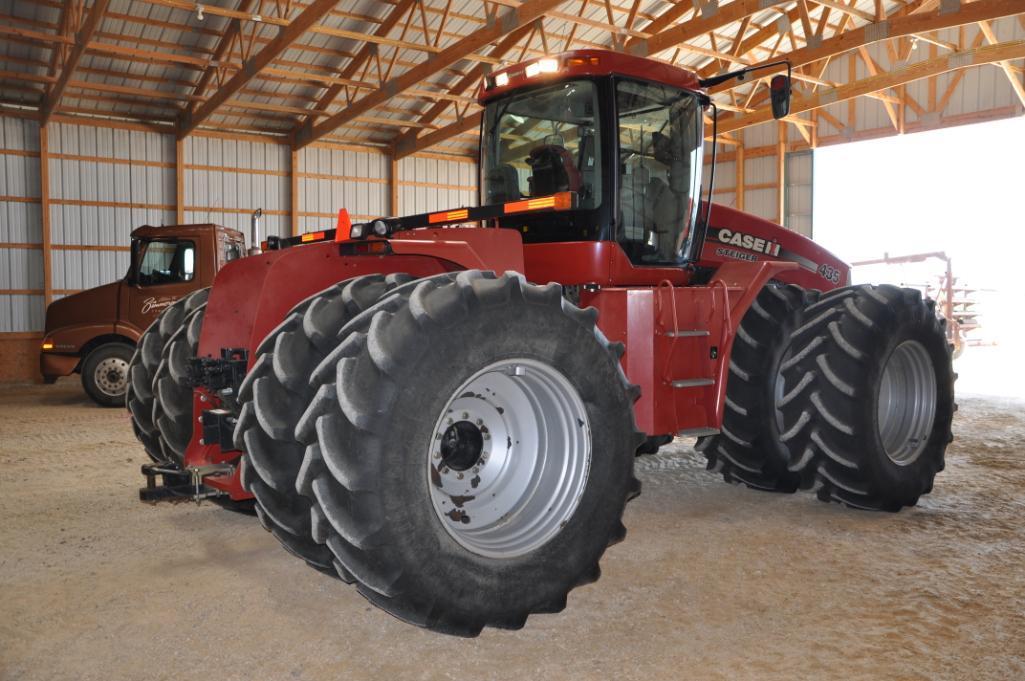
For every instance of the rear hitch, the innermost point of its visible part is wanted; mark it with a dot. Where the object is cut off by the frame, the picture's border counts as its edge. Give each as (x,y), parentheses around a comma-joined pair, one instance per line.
(180,485)
(222,376)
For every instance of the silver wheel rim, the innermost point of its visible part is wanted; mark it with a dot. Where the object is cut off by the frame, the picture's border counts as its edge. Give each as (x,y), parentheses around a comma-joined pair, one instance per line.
(907,402)
(509,458)
(111,376)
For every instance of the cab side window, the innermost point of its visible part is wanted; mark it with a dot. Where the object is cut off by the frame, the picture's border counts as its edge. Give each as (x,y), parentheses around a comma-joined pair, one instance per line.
(166,262)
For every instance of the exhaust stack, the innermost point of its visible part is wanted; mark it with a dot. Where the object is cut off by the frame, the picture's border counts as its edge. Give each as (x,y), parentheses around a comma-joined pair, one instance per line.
(254,245)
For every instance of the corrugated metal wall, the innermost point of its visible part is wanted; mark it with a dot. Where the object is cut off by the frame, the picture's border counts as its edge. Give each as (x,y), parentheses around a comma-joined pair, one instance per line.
(103,184)
(21,255)
(429,184)
(798,203)
(226,180)
(340,177)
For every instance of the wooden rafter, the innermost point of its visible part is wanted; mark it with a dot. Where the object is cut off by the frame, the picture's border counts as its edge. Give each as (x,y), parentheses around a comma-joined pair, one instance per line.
(982,10)
(313,13)
(989,54)
(405,144)
(506,22)
(362,57)
(230,35)
(82,38)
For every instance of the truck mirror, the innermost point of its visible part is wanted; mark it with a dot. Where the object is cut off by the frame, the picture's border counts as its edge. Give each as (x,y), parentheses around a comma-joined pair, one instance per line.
(779,88)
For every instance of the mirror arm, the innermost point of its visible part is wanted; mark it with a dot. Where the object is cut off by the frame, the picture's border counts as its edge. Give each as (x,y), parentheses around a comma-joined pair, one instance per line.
(741,73)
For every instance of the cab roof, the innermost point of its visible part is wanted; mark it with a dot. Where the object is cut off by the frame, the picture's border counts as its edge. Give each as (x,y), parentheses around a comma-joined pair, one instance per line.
(579,63)
(194,230)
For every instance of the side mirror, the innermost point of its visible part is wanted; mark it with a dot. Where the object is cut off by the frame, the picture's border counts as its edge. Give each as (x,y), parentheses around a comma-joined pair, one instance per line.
(779,87)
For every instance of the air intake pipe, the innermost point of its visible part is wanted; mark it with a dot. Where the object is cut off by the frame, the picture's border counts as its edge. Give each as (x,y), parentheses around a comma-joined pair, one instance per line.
(254,244)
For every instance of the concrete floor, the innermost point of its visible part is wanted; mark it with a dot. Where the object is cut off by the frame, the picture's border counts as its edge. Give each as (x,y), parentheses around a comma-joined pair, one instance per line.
(713,581)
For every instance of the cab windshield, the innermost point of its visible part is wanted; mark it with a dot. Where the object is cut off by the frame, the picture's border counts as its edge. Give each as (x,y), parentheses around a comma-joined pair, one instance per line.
(542,142)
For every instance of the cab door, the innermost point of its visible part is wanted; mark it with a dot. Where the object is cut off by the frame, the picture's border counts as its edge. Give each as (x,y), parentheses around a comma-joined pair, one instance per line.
(163,270)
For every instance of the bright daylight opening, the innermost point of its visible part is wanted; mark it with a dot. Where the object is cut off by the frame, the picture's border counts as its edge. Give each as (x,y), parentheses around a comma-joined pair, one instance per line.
(956,191)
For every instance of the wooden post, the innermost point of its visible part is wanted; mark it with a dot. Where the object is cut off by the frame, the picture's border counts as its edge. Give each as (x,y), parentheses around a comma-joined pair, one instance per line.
(738,163)
(781,171)
(179,180)
(44,206)
(293,175)
(393,184)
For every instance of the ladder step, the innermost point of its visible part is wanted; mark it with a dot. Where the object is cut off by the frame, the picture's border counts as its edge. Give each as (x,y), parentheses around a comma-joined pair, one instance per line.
(687,334)
(692,382)
(698,432)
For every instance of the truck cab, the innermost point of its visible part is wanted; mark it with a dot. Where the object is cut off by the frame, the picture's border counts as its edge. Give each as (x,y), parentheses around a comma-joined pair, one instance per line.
(94,332)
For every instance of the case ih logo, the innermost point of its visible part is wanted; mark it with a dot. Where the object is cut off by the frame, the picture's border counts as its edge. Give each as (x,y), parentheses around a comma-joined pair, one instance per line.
(746,241)
(154,304)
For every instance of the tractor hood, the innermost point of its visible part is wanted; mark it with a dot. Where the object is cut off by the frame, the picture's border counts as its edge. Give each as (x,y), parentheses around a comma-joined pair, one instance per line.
(93,306)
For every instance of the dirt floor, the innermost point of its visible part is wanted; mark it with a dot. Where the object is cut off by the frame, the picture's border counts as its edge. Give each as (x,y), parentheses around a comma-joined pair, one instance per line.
(713,581)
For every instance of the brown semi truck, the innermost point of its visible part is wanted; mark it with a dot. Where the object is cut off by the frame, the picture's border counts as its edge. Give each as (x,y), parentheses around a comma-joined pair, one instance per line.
(94,332)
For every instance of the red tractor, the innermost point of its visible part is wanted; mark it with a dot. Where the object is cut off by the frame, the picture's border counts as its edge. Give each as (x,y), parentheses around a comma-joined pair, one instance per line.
(418,411)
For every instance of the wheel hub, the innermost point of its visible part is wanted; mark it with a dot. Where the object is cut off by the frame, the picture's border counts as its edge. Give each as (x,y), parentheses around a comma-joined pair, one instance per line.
(111,376)
(906,402)
(462,445)
(509,458)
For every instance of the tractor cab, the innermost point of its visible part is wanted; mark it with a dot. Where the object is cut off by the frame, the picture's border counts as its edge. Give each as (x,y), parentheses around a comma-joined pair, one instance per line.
(627,142)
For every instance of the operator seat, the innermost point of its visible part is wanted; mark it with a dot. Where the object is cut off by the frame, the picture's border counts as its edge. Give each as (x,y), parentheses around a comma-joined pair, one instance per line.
(635,213)
(552,170)
(502,184)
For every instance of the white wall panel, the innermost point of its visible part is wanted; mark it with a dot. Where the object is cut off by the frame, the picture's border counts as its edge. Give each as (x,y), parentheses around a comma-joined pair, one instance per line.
(20,313)
(331,179)
(799,192)
(21,269)
(429,184)
(219,190)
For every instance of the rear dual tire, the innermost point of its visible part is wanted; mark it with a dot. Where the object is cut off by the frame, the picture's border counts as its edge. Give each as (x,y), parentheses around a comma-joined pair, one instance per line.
(748,449)
(272,397)
(870,397)
(142,398)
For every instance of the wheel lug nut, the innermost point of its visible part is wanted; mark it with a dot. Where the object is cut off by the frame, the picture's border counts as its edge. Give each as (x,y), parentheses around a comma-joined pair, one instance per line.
(466,415)
(437,455)
(459,476)
(448,421)
(480,422)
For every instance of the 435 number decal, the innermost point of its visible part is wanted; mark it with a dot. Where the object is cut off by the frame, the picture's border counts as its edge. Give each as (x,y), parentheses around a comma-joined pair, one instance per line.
(829,273)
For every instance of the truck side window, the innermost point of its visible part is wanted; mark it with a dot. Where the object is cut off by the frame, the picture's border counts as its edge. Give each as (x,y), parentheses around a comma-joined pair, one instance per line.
(166,262)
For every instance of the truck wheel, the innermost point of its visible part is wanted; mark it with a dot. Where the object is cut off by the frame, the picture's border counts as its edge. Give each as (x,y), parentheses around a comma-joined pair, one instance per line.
(173,406)
(748,449)
(140,396)
(272,396)
(470,451)
(868,417)
(105,373)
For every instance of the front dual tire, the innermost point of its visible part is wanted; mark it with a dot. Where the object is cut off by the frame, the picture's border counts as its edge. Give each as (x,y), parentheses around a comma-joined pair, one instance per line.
(468,449)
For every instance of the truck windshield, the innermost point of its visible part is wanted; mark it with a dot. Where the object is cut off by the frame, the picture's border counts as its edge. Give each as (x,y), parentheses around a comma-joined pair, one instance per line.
(163,262)
(542,142)
(660,143)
